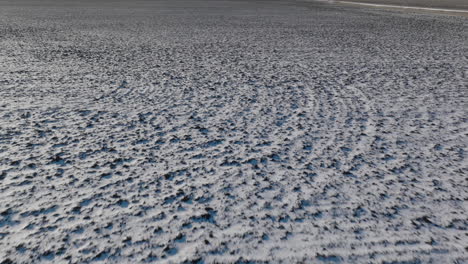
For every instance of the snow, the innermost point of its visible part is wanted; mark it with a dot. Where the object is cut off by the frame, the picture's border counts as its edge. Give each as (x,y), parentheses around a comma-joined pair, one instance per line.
(231,131)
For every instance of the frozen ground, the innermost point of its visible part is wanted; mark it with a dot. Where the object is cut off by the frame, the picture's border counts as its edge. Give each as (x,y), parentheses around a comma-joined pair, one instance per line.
(224,131)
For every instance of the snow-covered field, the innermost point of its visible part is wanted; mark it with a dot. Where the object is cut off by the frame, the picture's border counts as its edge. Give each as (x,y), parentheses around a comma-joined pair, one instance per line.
(231,131)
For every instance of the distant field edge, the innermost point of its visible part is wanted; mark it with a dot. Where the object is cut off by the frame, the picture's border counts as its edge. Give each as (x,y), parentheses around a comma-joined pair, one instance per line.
(450,7)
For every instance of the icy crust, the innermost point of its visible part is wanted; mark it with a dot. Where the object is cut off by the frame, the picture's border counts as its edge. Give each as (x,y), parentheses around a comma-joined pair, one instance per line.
(195,132)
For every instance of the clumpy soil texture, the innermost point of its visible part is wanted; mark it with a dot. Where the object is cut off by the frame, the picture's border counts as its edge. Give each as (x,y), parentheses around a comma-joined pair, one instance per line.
(231,131)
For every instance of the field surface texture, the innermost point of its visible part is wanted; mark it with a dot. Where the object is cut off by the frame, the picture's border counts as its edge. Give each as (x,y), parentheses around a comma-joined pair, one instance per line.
(231,131)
